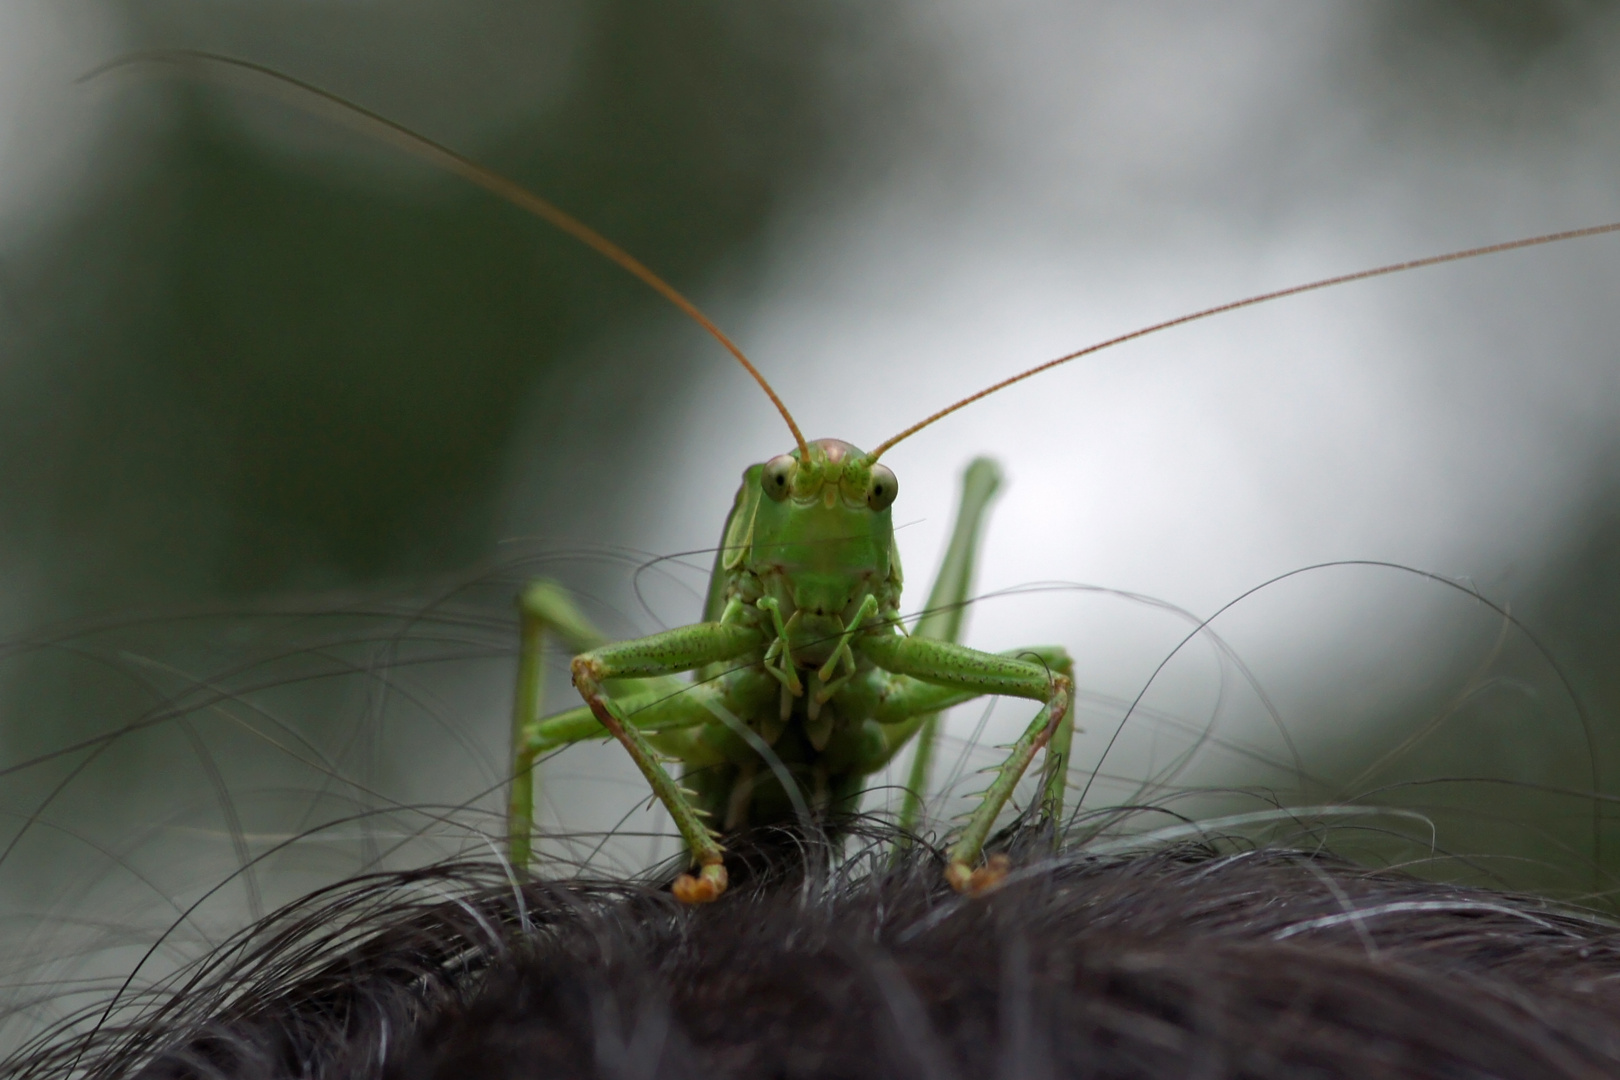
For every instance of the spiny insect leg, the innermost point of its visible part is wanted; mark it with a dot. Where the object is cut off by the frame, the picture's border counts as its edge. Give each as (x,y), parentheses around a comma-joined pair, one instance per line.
(957,666)
(1042,731)
(668,653)
(1055,766)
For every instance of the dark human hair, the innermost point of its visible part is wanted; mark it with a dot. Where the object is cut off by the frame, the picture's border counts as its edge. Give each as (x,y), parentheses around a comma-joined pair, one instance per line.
(1203,959)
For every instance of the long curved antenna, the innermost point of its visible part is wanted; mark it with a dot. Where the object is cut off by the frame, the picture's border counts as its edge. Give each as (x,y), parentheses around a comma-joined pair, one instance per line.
(310,98)
(1220,309)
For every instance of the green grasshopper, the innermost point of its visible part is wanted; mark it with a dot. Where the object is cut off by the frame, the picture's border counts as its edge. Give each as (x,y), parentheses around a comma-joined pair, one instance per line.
(804,678)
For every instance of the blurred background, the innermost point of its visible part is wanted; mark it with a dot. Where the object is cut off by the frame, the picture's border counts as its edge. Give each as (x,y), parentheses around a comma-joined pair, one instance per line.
(286,416)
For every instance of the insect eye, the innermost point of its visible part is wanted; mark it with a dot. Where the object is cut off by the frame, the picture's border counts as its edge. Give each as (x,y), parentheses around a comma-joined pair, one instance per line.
(880,495)
(777,477)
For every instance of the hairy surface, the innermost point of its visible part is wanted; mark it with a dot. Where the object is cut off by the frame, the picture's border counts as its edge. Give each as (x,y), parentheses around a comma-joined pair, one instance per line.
(1180,962)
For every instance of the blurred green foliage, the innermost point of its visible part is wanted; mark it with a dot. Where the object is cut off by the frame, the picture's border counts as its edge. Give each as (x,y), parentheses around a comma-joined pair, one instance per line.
(240,368)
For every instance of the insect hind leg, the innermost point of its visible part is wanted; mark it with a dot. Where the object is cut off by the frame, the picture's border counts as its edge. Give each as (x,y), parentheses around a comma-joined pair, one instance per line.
(944,616)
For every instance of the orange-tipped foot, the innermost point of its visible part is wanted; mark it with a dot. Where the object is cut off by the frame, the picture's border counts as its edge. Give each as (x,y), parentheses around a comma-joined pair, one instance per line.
(704,887)
(965,879)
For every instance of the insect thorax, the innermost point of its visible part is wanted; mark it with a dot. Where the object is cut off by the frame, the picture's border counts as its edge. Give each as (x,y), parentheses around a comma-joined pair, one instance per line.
(815,556)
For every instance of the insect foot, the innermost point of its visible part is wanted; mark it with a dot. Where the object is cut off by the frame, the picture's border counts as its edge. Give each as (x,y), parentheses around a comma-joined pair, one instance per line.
(976,882)
(703,888)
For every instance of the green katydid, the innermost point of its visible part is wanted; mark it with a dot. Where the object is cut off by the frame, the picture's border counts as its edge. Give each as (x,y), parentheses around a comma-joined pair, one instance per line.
(806,682)
(804,679)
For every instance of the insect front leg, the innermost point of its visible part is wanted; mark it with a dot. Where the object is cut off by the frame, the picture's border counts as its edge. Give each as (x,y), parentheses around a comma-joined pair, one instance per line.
(1027,674)
(668,653)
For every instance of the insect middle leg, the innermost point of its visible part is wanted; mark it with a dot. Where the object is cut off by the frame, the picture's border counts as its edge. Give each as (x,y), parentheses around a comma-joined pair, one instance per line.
(546,612)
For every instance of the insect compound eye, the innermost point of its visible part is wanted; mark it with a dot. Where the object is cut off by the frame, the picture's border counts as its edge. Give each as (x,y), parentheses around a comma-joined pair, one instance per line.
(777,476)
(884,487)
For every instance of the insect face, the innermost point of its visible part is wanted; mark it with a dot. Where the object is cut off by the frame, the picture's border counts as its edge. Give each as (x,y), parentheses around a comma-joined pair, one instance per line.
(824,536)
